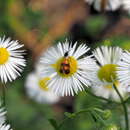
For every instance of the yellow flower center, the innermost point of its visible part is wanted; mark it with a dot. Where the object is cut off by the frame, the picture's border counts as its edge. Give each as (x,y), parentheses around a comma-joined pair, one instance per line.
(43,83)
(108,73)
(66,66)
(116,83)
(4,55)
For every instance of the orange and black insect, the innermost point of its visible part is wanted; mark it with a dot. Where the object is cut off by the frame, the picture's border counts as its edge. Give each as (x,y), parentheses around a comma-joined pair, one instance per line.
(65,66)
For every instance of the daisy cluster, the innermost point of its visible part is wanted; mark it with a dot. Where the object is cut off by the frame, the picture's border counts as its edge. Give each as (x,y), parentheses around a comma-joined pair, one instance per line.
(66,68)
(109,5)
(71,69)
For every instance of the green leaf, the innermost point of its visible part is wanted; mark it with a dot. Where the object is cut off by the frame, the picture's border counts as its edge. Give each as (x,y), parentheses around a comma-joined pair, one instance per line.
(53,123)
(70,115)
(94,118)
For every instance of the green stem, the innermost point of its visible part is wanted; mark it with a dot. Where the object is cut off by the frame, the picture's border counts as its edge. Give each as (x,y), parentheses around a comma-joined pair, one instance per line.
(124,107)
(99,118)
(60,125)
(90,110)
(76,113)
(99,97)
(3,94)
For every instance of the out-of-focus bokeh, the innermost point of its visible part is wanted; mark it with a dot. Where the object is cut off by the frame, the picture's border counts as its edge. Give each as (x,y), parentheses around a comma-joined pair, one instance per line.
(39,24)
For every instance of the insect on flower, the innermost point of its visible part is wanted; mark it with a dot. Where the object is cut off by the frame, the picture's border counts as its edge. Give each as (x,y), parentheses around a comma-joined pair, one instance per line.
(67,68)
(65,65)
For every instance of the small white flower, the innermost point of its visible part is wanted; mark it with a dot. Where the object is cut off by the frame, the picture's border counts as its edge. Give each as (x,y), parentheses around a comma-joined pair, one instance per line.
(108,5)
(105,73)
(123,71)
(5,127)
(2,115)
(126,5)
(11,59)
(37,89)
(67,68)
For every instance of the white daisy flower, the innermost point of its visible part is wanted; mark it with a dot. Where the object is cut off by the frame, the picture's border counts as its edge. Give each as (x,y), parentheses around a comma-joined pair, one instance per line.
(2,115)
(107,5)
(11,59)
(105,72)
(123,71)
(67,68)
(37,89)
(126,5)
(5,127)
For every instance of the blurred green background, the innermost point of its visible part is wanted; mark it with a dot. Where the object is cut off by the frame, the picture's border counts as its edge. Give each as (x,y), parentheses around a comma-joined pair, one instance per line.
(40,23)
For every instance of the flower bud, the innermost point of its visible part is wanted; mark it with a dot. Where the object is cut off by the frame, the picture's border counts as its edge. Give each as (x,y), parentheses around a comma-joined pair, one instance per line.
(111,127)
(107,114)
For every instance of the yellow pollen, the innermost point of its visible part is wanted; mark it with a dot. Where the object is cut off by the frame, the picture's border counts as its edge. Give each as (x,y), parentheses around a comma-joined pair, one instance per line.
(4,55)
(73,66)
(43,83)
(116,83)
(108,73)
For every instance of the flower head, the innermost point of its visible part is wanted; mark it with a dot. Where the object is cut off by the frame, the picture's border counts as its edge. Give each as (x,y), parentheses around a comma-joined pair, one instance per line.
(107,5)
(105,73)
(67,68)
(111,127)
(11,59)
(123,71)
(38,90)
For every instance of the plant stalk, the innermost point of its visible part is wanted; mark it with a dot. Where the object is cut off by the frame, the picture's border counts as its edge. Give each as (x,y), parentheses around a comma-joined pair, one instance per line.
(124,107)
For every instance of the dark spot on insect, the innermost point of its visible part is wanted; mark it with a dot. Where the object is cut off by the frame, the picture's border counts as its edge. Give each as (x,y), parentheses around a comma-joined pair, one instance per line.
(64,71)
(66,54)
(67,71)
